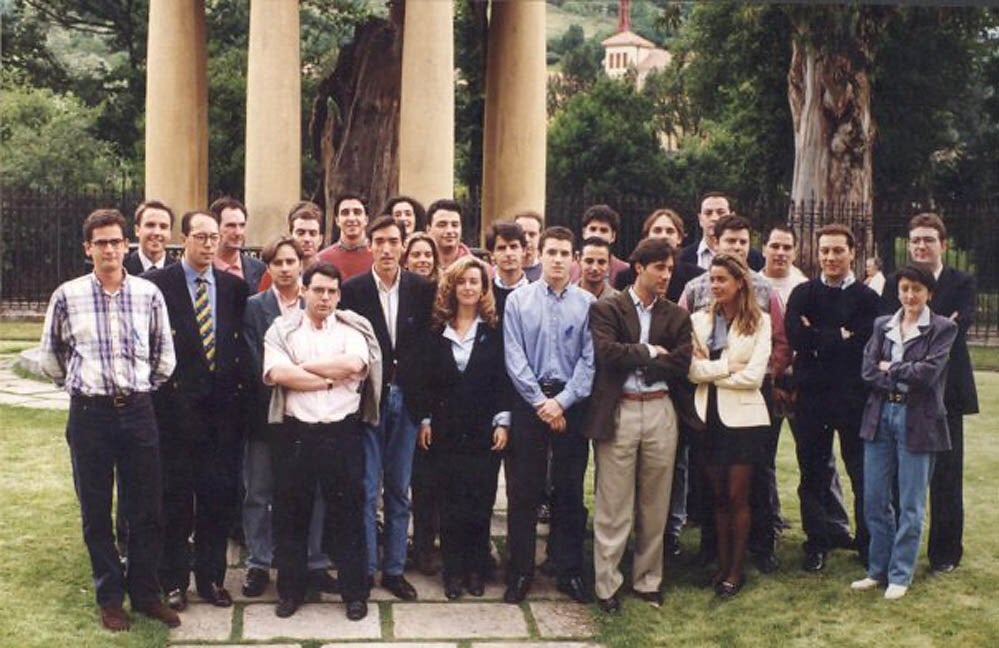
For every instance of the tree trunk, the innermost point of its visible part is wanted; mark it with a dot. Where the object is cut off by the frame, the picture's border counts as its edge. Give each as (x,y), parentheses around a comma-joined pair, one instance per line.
(355,117)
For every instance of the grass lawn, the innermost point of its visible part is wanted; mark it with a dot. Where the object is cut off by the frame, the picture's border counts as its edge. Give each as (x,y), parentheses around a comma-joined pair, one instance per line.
(21,330)
(47,593)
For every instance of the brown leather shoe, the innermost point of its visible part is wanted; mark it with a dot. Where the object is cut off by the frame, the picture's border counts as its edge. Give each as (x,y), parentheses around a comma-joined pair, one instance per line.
(114,618)
(157,610)
(215,594)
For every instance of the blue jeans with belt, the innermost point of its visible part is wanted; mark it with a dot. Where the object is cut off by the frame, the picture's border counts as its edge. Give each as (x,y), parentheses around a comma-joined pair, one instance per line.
(894,545)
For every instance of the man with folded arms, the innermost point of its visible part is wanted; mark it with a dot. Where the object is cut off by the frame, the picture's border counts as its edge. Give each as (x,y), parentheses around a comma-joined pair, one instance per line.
(107,340)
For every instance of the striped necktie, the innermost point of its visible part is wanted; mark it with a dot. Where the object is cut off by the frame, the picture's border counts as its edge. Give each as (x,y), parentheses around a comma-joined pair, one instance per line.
(203,315)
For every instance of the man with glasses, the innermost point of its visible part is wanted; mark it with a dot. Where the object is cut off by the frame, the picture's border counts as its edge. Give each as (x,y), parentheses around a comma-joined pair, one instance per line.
(199,413)
(106,341)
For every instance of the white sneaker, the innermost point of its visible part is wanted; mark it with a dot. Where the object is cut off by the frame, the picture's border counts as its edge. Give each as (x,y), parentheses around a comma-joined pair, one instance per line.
(895,592)
(865,584)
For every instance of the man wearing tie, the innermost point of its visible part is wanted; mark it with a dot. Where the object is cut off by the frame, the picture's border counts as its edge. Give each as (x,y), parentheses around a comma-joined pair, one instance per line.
(153,222)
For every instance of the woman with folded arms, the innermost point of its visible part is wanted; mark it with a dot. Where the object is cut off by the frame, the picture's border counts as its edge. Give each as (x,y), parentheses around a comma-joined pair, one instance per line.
(467,396)
(731,351)
(904,424)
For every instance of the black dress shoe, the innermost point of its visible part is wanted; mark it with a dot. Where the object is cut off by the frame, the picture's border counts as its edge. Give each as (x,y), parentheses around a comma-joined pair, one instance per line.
(814,561)
(610,605)
(475,585)
(357,610)
(516,590)
(767,563)
(286,607)
(399,587)
(671,548)
(321,580)
(726,590)
(943,568)
(655,599)
(255,582)
(216,595)
(177,600)
(452,588)
(576,589)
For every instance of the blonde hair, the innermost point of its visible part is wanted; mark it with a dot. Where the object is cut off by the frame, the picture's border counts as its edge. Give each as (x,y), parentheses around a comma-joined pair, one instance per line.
(748,313)
(446,303)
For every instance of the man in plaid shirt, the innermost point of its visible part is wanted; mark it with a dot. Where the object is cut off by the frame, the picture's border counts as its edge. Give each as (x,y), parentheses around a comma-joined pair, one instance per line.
(107,341)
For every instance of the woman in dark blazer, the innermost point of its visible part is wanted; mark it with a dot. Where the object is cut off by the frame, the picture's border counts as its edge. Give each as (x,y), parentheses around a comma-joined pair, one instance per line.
(904,424)
(467,395)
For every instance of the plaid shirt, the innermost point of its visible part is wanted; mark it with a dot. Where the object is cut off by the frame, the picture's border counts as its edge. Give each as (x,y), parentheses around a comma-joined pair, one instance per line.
(99,344)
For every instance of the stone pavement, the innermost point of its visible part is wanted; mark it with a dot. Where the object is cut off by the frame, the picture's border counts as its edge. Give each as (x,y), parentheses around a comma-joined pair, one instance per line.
(547,619)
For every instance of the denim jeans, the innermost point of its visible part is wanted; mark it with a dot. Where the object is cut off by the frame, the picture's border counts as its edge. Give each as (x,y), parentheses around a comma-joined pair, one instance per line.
(894,545)
(388,463)
(258,502)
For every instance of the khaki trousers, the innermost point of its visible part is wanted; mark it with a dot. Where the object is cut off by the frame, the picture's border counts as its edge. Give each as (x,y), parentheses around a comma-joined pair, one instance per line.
(640,458)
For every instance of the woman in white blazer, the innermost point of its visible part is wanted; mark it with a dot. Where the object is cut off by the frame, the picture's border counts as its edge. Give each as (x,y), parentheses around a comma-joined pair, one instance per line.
(731,351)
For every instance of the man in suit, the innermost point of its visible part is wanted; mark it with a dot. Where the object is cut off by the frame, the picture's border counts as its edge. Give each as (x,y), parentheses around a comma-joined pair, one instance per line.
(398,305)
(231,215)
(641,343)
(153,222)
(665,224)
(955,297)
(198,413)
(507,244)
(714,206)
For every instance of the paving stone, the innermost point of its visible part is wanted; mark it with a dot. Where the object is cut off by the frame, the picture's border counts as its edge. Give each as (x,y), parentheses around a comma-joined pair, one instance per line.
(457,620)
(534,644)
(201,622)
(15,399)
(30,387)
(563,619)
(311,621)
(387,644)
(234,583)
(282,645)
(46,403)
(233,554)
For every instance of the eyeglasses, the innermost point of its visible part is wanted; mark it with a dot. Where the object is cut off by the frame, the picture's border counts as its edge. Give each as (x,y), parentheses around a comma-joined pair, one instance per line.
(203,238)
(105,243)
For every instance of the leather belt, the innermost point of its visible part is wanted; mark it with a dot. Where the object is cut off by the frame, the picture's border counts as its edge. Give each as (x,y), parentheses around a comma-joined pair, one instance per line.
(110,402)
(897,397)
(551,388)
(641,397)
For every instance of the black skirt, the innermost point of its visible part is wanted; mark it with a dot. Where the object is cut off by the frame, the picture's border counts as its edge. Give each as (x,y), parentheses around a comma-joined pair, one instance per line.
(727,446)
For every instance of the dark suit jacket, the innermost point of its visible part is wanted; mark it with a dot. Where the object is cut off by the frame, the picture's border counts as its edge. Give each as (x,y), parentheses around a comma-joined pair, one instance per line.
(133,265)
(197,401)
(682,273)
(253,271)
(923,369)
(261,311)
(956,293)
(615,329)
(689,255)
(462,404)
(416,299)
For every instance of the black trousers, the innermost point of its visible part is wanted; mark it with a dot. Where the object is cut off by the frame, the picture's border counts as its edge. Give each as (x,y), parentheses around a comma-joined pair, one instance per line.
(468,483)
(823,515)
(427,498)
(104,439)
(526,461)
(200,478)
(332,456)
(947,499)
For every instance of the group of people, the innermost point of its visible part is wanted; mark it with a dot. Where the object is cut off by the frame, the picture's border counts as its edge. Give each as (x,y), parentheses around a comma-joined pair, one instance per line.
(326,395)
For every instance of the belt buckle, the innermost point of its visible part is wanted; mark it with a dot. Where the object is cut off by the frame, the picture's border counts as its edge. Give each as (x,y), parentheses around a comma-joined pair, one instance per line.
(118,401)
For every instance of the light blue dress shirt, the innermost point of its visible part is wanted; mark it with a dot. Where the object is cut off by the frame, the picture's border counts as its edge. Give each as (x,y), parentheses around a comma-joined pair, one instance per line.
(190,275)
(635,383)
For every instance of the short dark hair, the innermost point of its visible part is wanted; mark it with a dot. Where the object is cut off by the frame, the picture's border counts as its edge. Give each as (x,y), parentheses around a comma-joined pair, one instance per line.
(323,268)
(145,206)
(102,218)
(731,222)
(507,230)
(595,241)
(271,249)
(837,229)
(445,204)
(533,215)
(185,220)
(650,251)
(305,210)
(917,274)
(419,213)
(656,215)
(929,219)
(784,228)
(227,202)
(350,195)
(602,213)
(558,233)
(381,223)
(714,194)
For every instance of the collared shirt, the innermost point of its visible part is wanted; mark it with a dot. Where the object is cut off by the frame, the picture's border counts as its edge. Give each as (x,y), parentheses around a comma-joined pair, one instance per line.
(498,281)
(308,343)
(147,263)
(635,383)
(96,343)
(548,339)
(461,350)
(286,306)
(893,332)
(232,268)
(843,284)
(533,272)
(191,276)
(704,255)
(718,339)
(388,296)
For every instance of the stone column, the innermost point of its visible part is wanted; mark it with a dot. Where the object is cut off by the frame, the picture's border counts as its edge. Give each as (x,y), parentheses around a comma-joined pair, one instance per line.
(426,114)
(273,118)
(513,173)
(177,106)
